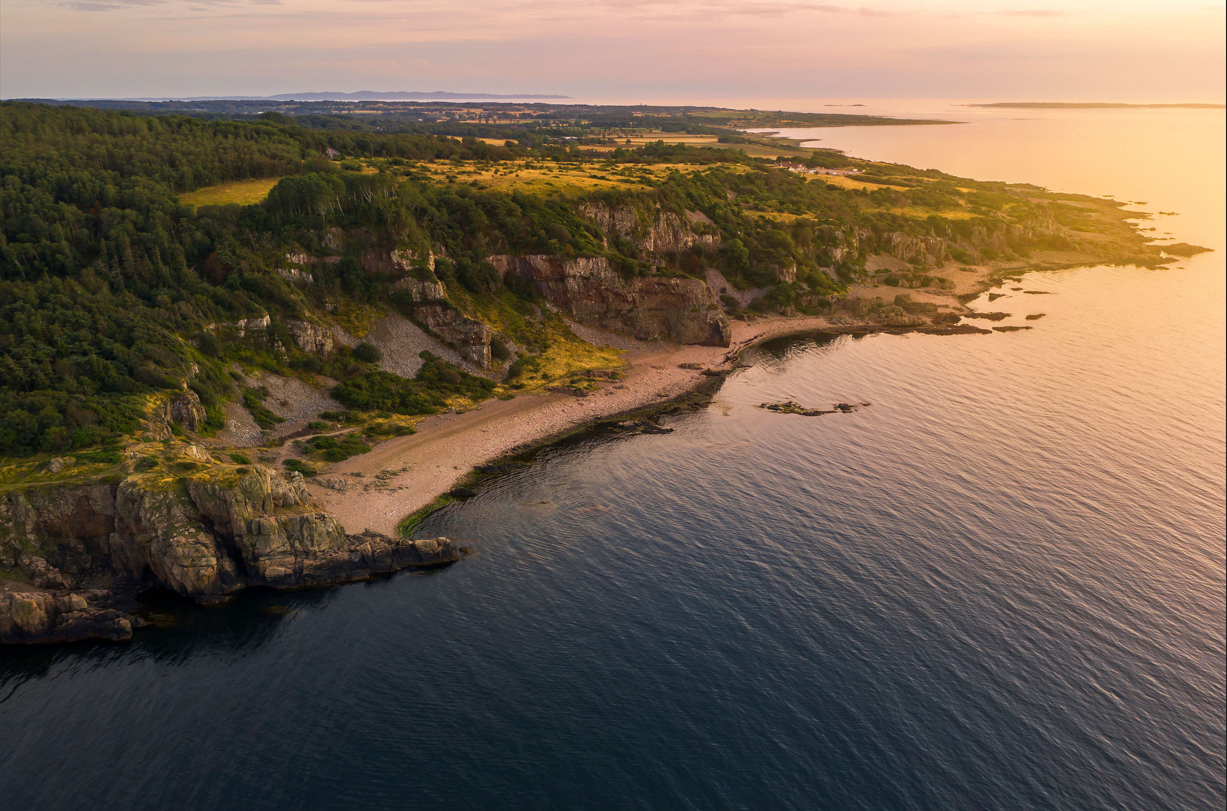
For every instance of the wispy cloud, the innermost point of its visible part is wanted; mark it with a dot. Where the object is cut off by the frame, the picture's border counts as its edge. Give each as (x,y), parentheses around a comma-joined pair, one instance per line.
(1033,12)
(108,5)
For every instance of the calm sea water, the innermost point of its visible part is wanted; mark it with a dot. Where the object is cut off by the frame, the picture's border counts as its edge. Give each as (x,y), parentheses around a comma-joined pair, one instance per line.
(1001,586)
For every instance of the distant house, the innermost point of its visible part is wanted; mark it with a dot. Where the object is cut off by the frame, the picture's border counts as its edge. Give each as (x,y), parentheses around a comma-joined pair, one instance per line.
(805,170)
(332,154)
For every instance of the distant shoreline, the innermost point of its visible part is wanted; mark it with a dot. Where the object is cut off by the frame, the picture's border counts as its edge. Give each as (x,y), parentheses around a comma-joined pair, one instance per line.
(1080,105)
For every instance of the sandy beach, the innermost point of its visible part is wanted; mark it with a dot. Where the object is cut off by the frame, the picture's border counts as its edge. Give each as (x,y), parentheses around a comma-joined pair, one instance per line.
(415,470)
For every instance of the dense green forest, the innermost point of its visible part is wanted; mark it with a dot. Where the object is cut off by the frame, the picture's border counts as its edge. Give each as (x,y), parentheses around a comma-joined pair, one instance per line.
(111,289)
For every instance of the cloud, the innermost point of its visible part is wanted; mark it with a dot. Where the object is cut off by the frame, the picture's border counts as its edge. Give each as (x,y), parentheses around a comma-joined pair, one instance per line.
(108,5)
(117,5)
(1033,12)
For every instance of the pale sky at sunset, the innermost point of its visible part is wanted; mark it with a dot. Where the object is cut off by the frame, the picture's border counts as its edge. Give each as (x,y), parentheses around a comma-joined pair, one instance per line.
(617,49)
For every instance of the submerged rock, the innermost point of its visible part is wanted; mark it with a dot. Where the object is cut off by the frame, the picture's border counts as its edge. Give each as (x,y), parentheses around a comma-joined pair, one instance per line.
(792,407)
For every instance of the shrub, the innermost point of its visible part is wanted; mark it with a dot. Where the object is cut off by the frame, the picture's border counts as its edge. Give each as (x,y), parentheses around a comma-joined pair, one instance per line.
(338,449)
(299,466)
(367,353)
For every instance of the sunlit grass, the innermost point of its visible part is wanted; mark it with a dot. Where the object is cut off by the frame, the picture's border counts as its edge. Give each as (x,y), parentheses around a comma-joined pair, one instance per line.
(240,192)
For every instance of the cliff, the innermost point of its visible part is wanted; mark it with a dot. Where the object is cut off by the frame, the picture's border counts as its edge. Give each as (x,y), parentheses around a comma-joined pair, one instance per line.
(652,230)
(675,308)
(73,553)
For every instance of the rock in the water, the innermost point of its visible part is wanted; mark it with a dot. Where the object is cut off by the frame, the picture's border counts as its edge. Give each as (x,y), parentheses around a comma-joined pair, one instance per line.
(649,427)
(39,616)
(791,407)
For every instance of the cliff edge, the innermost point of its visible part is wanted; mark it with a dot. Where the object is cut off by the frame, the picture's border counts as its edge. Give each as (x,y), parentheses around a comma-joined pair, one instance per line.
(73,557)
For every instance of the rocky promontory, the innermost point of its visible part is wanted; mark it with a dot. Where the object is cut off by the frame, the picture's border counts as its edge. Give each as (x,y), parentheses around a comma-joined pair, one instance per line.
(73,557)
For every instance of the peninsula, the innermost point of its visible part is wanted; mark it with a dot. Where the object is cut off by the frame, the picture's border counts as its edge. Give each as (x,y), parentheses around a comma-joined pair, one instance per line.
(243,350)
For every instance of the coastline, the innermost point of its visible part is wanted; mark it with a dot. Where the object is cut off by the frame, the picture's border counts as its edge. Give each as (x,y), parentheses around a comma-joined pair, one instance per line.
(404,478)
(407,475)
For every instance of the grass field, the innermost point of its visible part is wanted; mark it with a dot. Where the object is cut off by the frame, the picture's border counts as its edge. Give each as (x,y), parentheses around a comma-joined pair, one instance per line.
(763,149)
(545,179)
(242,192)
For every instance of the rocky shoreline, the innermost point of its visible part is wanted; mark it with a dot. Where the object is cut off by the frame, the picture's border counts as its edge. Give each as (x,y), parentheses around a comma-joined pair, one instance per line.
(74,556)
(84,552)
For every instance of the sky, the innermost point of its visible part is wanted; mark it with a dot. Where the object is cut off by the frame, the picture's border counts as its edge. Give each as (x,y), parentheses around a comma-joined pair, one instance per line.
(618,50)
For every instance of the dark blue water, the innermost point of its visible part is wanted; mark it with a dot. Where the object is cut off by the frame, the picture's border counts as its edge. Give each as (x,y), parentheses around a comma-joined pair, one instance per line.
(1000,586)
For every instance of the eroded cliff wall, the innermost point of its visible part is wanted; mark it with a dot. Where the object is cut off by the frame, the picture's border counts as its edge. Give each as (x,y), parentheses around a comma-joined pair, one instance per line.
(73,552)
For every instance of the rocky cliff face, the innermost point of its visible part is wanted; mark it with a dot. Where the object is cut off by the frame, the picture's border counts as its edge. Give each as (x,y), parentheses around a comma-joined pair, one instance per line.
(677,309)
(652,230)
(311,338)
(184,408)
(422,290)
(471,338)
(916,250)
(79,550)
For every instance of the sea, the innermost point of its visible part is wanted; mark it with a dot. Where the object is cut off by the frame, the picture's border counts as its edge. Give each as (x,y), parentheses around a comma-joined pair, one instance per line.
(998,586)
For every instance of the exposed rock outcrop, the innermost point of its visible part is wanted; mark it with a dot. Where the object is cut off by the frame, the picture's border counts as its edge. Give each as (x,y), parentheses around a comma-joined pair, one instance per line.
(675,308)
(471,338)
(916,250)
(40,616)
(311,338)
(295,275)
(421,290)
(204,538)
(652,230)
(186,410)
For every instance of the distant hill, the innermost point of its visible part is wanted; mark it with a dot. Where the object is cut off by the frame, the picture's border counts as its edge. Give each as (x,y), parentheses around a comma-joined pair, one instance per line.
(361,95)
(372,95)
(1080,105)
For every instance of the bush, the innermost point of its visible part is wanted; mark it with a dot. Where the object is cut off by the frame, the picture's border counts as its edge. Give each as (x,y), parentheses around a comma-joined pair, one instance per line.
(367,353)
(299,466)
(338,449)
(427,393)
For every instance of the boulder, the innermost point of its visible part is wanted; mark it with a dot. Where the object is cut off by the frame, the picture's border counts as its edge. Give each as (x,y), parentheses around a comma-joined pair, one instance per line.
(39,616)
(187,410)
